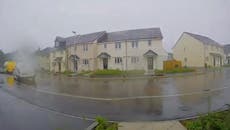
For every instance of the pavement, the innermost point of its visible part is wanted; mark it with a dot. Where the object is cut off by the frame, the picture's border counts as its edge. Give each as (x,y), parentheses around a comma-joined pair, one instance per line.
(161,125)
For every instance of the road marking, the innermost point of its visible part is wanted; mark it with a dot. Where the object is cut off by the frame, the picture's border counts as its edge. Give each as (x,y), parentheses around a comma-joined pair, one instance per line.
(132,98)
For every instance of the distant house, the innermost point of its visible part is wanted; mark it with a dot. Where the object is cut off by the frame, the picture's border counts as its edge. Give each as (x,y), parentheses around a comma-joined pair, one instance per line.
(227,53)
(198,51)
(44,58)
(139,49)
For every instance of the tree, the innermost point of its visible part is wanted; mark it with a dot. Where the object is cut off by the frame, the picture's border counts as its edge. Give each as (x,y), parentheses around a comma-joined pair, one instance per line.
(2,58)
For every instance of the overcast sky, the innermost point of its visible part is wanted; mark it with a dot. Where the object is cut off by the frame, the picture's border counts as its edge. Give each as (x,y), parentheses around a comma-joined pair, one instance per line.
(37,22)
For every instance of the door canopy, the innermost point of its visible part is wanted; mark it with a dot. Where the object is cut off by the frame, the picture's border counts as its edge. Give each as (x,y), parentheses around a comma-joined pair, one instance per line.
(150,53)
(74,57)
(104,55)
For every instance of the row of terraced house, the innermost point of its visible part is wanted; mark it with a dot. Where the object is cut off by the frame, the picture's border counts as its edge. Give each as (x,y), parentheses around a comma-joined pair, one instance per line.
(140,49)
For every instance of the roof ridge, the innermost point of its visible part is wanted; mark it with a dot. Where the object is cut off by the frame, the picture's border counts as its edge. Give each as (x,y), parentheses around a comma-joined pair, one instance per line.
(135,29)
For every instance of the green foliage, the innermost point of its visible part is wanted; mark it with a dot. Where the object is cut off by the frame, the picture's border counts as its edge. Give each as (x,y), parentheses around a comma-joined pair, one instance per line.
(173,71)
(83,73)
(103,124)
(134,72)
(107,72)
(2,58)
(67,72)
(212,121)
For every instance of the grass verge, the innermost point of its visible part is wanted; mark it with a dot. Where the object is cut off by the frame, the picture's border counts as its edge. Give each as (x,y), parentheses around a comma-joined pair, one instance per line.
(174,71)
(211,121)
(103,124)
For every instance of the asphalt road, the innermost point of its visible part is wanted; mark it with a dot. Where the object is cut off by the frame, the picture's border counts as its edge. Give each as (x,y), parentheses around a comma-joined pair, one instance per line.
(15,114)
(62,102)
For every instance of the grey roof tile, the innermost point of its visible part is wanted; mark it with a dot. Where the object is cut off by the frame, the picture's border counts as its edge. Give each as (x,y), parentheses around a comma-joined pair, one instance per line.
(86,38)
(227,49)
(147,33)
(203,39)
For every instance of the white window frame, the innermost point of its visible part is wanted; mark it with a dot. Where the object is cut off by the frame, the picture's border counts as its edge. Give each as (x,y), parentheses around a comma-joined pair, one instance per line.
(75,47)
(149,42)
(105,45)
(85,61)
(134,59)
(118,45)
(118,60)
(85,47)
(134,44)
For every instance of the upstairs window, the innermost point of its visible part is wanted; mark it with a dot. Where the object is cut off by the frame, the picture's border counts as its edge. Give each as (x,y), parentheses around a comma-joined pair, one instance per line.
(118,60)
(149,42)
(134,44)
(75,48)
(118,45)
(85,47)
(105,45)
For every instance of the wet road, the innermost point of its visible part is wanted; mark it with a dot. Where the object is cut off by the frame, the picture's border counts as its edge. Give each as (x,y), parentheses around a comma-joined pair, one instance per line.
(127,100)
(16,114)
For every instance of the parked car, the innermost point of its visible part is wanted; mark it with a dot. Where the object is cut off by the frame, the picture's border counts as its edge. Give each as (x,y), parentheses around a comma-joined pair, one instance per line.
(24,72)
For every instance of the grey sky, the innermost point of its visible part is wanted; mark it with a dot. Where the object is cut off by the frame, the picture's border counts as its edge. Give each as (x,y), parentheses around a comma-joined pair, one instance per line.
(37,22)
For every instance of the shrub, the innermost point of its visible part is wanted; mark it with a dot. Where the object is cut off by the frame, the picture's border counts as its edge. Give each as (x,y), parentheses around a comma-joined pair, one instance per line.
(103,124)
(212,121)
(67,72)
(107,72)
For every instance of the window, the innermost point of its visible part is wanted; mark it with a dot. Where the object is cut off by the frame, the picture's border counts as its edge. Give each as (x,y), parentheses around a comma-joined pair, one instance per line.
(75,48)
(134,44)
(85,47)
(149,42)
(134,59)
(53,64)
(85,61)
(206,58)
(118,60)
(118,45)
(185,59)
(105,45)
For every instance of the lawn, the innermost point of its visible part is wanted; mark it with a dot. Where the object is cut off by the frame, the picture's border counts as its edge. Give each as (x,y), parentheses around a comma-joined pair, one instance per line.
(112,72)
(211,121)
(174,71)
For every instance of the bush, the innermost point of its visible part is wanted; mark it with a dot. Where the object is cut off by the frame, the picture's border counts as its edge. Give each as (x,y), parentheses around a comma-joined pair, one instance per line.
(67,72)
(212,121)
(103,124)
(176,70)
(107,72)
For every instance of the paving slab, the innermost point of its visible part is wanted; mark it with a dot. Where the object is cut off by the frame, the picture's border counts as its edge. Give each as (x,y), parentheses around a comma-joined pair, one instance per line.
(160,125)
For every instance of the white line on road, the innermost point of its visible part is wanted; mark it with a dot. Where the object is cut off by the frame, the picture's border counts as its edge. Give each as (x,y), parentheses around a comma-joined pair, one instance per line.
(132,98)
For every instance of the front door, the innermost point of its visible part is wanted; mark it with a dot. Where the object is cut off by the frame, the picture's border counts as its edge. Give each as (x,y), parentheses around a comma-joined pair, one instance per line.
(75,67)
(59,67)
(214,61)
(150,63)
(105,63)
